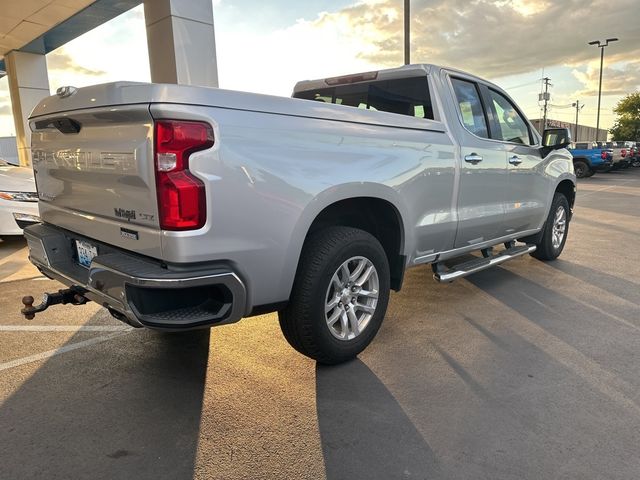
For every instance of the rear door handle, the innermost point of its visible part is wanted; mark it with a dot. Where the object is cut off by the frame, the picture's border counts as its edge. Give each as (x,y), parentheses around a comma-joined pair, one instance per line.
(515,160)
(473,158)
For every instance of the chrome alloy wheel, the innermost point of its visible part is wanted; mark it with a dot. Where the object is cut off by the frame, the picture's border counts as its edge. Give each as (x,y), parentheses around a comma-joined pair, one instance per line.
(351,298)
(559,227)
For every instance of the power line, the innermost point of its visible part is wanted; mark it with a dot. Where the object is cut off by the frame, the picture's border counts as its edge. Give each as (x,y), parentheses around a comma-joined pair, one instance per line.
(513,87)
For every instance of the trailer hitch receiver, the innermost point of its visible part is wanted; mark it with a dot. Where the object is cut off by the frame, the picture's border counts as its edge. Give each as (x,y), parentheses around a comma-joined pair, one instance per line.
(63,297)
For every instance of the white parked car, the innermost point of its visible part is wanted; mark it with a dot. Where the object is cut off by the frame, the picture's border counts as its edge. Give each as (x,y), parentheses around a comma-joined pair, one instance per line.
(18,199)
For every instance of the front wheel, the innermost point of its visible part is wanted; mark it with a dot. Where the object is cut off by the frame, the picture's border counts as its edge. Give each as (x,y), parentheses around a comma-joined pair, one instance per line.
(339,296)
(555,230)
(581,168)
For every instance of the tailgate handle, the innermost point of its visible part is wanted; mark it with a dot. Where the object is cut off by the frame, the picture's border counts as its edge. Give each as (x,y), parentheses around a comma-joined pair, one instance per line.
(64,125)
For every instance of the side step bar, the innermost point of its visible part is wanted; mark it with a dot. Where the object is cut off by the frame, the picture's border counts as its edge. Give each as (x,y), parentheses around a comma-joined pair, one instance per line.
(442,275)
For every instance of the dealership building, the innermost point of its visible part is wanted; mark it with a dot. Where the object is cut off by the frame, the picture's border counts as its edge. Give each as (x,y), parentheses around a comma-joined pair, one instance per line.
(584,133)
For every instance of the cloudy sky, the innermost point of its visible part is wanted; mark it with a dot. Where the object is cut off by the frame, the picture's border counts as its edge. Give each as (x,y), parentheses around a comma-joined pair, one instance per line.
(267,45)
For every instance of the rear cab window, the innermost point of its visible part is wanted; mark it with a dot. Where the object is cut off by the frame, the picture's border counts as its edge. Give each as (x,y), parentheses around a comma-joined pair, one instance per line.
(469,105)
(404,96)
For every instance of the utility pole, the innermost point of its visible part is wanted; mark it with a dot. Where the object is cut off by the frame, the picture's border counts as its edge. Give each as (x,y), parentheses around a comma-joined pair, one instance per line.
(407,38)
(578,108)
(601,46)
(546,97)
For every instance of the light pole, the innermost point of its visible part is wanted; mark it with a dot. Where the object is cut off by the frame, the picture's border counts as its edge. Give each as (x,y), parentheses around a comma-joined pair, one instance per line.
(407,37)
(601,46)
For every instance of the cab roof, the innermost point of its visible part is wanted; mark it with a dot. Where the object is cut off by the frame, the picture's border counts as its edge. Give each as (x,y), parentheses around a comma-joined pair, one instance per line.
(405,71)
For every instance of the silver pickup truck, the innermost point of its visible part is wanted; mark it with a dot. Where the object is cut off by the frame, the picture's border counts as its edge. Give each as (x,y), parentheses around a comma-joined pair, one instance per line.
(178,207)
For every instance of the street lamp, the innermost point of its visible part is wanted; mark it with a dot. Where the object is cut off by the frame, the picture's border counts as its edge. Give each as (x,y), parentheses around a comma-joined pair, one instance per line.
(601,45)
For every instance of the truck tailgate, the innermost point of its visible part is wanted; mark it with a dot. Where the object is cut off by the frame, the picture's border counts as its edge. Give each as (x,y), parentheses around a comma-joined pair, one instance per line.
(95,174)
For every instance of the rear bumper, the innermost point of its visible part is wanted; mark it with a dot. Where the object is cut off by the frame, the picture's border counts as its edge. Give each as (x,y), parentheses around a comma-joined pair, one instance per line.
(604,165)
(137,289)
(620,163)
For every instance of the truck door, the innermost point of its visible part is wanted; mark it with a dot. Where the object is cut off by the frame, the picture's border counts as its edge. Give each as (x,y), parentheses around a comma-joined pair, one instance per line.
(483,168)
(527,189)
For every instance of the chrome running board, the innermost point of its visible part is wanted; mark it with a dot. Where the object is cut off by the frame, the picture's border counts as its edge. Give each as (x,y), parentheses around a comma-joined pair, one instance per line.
(443,275)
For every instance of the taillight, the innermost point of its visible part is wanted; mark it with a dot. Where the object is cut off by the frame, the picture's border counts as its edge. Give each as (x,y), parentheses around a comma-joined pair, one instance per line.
(181,196)
(603,155)
(624,153)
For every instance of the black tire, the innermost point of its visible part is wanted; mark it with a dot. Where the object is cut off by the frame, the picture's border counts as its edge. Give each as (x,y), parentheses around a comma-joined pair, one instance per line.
(581,168)
(591,173)
(303,321)
(545,248)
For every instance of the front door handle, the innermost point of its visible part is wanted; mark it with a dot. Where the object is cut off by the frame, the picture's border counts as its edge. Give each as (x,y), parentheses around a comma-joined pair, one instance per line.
(515,160)
(473,158)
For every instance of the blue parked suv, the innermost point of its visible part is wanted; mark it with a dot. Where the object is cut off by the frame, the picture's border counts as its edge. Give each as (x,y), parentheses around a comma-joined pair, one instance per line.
(588,159)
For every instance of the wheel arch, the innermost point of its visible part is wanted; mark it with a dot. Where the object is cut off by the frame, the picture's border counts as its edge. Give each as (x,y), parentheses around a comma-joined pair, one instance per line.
(566,185)
(568,188)
(337,206)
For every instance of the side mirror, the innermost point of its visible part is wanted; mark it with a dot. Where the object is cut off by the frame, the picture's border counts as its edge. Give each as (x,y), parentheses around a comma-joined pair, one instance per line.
(555,139)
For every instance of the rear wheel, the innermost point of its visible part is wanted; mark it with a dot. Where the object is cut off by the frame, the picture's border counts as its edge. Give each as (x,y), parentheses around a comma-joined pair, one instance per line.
(339,297)
(581,168)
(555,231)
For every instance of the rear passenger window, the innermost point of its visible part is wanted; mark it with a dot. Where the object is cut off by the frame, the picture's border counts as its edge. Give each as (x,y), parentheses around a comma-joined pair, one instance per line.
(470,106)
(405,96)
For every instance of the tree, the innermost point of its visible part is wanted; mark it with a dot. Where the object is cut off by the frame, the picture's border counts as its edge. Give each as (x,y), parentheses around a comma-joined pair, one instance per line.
(627,125)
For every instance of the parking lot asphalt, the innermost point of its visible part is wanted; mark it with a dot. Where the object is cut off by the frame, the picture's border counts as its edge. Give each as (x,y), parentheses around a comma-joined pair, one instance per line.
(526,371)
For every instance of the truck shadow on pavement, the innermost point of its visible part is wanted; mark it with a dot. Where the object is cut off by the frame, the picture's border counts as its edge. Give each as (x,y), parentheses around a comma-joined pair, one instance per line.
(364,431)
(602,225)
(131,412)
(11,244)
(606,333)
(529,383)
(611,284)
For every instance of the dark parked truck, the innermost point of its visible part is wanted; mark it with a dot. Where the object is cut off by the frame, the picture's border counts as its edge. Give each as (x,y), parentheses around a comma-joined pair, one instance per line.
(179,207)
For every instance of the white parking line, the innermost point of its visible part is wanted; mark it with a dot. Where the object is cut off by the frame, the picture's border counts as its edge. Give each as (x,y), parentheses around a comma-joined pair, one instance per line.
(66,348)
(603,189)
(64,328)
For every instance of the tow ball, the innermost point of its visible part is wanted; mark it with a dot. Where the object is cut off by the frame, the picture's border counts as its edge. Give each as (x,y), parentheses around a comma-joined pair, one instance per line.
(63,297)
